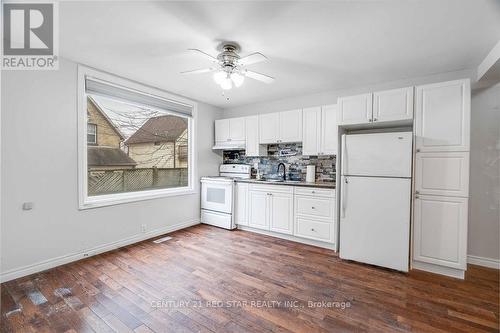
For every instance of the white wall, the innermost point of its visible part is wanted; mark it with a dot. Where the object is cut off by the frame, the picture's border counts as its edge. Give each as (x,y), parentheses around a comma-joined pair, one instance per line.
(330,97)
(39,164)
(484,221)
(484,202)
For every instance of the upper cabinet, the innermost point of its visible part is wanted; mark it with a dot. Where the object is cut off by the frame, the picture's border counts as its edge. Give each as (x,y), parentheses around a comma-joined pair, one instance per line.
(329,130)
(252,145)
(355,109)
(269,127)
(229,130)
(311,124)
(442,116)
(393,105)
(320,130)
(280,127)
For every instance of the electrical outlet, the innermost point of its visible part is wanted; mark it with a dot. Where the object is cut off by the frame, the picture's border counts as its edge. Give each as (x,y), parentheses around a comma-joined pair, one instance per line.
(143,228)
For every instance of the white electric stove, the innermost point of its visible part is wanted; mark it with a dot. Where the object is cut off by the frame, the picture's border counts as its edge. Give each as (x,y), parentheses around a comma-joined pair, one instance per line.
(217,195)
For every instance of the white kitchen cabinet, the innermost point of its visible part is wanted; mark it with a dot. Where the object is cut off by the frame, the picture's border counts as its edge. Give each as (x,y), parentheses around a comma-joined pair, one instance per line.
(222,130)
(230,130)
(320,130)
(237,129)
(329,130)
(290,126)
(258,209)
(442,116)
(241,204)
(252,145)
(269,128)
(281,212)
(271,208)
(353,110)
(280,127)
(313,229)
(440,231)
(311,123)
(444,174)
(315,214)
(393,105)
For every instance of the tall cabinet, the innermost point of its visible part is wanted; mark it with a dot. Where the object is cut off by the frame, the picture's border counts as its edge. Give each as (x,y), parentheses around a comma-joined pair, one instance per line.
(441,180)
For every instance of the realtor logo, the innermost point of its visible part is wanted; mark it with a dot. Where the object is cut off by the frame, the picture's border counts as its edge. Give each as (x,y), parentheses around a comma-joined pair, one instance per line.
(29,36)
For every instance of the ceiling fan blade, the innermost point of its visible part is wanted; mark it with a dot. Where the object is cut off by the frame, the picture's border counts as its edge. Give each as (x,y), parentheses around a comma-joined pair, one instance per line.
(199,71)
(206,55)
(258,76)
(252,59)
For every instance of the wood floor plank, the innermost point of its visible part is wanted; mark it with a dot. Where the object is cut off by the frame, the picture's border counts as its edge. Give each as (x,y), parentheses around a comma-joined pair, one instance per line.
(207,279)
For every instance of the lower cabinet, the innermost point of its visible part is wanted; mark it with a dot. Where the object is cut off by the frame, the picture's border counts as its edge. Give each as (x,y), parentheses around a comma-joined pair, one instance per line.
(440,231)
(304,212)
(315,214)
(258,215)
(271,208)
(241,204)
(281,212)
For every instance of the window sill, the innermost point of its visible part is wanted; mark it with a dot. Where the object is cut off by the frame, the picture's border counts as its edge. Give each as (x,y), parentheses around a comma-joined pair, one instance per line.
(122,198)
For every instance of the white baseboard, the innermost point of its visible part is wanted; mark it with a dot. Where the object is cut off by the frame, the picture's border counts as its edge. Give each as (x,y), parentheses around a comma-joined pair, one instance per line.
(448,271)
(54,262)
(482,261)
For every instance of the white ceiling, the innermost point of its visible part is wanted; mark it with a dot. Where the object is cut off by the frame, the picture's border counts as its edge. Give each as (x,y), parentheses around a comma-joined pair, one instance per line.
(311,46)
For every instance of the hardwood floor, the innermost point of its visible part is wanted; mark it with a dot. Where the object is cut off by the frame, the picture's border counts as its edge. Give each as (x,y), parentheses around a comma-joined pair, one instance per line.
(200,280)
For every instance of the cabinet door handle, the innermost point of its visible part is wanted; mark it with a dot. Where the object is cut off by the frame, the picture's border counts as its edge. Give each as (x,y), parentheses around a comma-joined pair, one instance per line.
(374,119)
(417,192)
(312,229)
(313,207)
(313,192)
(417,196)
(370,120)
(418,150)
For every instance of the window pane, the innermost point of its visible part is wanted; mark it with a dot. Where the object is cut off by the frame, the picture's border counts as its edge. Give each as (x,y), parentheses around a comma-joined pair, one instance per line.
(136,148)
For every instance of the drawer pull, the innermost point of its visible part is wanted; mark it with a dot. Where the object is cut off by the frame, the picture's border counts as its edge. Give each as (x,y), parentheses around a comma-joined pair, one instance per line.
(313,192)
(312,229)
(313,207)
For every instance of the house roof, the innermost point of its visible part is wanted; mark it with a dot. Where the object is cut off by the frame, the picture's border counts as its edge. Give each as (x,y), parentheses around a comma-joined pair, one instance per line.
(107,156)
(110,122)
(159,129)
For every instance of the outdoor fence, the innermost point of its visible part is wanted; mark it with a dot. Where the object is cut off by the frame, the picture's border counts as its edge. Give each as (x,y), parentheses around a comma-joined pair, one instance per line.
(116,181)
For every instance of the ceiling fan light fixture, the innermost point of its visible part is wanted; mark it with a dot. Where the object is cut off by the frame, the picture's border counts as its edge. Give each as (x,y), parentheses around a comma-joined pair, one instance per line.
(226,83)
(219,77)
(237,79)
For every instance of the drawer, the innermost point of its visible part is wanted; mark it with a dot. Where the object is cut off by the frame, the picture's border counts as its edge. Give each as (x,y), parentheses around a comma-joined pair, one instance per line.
(314,191)
(314,207)
(272,188)
(313,230)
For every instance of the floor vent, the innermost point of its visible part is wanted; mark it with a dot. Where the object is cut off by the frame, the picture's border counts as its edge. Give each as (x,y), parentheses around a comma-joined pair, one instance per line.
(161,240)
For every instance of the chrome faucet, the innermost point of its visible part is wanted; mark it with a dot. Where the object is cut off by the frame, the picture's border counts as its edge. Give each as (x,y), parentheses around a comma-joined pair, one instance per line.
(284,171)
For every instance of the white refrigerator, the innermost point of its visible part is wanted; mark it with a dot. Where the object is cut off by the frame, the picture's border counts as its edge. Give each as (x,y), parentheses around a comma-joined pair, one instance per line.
(375,198)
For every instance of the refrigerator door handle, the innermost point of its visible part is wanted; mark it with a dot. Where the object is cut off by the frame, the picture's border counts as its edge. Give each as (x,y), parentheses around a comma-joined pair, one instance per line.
(344,190)
(344,154)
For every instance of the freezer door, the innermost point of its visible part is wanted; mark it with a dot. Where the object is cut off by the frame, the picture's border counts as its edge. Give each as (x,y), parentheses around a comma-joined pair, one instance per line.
(377,154)
(375,221)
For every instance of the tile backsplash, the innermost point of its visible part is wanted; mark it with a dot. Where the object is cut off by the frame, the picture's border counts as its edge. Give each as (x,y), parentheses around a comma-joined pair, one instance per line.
(289,154)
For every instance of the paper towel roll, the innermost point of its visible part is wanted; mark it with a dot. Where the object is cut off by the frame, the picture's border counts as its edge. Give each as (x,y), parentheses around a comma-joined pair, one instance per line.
(311,173)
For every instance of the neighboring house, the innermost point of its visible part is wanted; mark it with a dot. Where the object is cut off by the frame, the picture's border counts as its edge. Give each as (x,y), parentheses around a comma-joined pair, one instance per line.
(104,141)
(160,142)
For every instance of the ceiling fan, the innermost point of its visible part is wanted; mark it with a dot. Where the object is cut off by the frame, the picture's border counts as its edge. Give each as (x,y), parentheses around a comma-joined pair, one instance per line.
(229,68)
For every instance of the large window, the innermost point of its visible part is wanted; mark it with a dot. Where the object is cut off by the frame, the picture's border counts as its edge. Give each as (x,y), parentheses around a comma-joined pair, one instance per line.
(137,144)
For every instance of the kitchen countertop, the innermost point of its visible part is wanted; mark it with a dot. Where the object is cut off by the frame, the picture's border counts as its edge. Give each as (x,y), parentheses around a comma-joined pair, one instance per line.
(330,185)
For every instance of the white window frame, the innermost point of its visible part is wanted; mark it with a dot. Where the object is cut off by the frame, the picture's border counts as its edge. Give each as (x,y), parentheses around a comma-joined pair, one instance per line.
(85,201)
